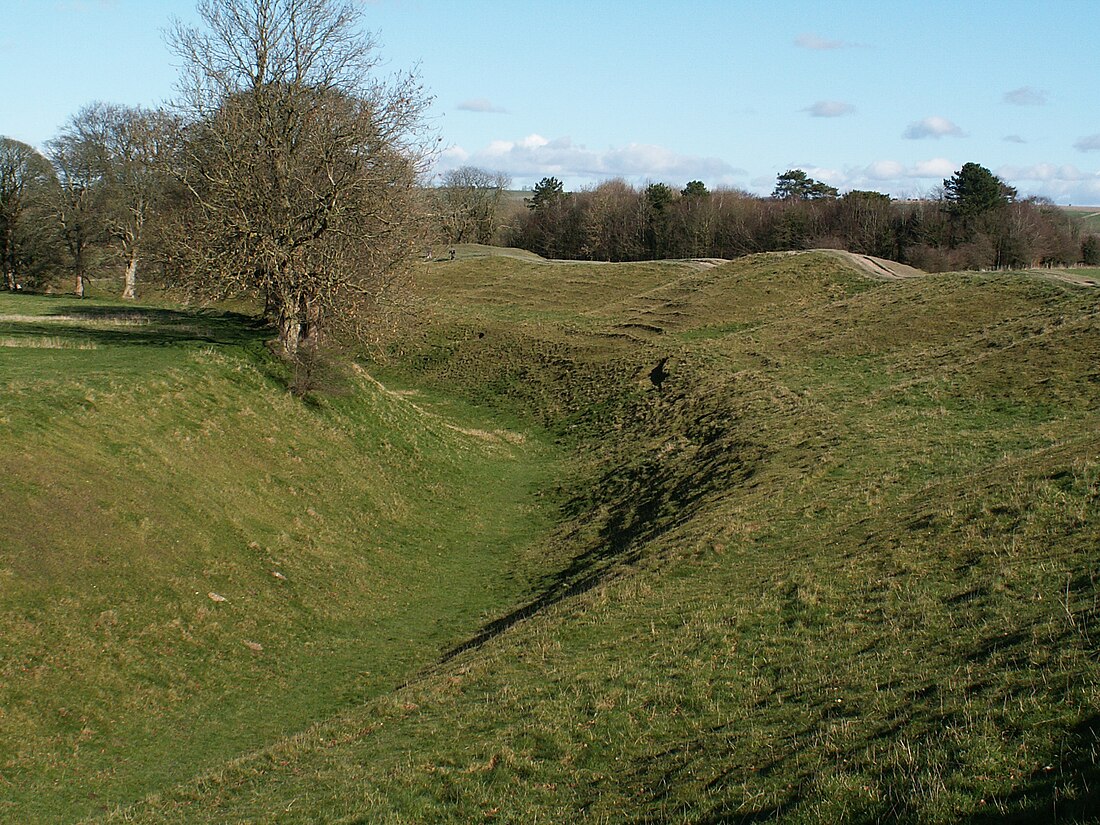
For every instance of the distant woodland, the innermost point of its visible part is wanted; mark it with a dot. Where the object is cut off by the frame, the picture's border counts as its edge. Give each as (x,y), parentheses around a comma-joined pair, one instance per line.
(975,222)
(100,201)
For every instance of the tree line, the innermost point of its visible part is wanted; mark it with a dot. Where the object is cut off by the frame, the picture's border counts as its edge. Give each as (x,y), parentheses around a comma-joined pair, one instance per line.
(976,222)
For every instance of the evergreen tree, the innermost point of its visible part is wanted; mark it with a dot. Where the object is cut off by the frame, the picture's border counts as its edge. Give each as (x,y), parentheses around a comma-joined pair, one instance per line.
(547,192)
(974,190)
(796,185)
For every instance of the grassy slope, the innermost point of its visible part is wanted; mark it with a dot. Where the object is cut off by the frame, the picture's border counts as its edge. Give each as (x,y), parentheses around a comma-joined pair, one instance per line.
(161,462)
(1087,216)
(841,567)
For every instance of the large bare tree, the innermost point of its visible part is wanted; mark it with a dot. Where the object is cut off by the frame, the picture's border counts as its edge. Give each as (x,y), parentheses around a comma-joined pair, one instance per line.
(298,168)
(137,142)
(470,204)
(77,156)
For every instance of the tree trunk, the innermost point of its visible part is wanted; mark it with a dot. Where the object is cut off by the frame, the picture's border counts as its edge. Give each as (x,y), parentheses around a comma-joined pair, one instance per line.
(310,325)
(290,326)
(130,290)
(9,257)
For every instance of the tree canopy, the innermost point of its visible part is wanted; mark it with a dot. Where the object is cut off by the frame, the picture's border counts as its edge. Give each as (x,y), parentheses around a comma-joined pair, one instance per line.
(796,185)
(694,189)
(974,190)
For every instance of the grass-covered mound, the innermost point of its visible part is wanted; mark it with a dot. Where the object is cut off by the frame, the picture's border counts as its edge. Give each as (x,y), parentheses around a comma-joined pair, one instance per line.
(194,563)
(826,550)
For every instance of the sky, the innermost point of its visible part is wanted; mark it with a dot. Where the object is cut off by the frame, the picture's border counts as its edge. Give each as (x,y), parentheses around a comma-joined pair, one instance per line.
(888,95)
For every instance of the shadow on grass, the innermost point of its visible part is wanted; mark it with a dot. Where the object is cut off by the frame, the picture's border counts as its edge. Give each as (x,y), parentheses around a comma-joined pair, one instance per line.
(639,502)
(141,326)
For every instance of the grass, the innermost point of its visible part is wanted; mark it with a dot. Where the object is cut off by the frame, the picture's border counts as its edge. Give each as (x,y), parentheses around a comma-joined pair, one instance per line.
(841,565)
(196,564)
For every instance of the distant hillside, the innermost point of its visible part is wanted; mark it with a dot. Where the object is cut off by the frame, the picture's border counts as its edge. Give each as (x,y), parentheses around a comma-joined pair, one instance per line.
(1087,216)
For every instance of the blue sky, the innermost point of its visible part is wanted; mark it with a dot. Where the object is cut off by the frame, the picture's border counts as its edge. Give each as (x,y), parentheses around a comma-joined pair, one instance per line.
(886,95)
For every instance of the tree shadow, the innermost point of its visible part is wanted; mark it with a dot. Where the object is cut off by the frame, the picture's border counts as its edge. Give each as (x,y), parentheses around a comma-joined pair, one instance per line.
(140,326)
(638,502)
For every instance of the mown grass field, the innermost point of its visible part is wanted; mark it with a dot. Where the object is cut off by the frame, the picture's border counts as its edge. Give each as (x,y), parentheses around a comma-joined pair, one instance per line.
(780,541)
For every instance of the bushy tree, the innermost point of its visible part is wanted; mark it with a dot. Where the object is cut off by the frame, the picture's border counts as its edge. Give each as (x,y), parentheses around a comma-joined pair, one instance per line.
(297,167)
(796,185)
(547,193)
(974,190)
(1090,250)
(694,189)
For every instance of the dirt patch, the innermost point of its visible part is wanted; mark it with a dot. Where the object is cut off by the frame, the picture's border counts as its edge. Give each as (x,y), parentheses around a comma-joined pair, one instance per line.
(875,267)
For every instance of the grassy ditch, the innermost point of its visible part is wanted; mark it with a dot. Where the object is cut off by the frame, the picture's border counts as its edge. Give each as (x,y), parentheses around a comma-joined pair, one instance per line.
(196,564)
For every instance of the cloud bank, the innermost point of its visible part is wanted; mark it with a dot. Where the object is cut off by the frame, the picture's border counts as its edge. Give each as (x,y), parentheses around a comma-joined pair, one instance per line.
(534,157)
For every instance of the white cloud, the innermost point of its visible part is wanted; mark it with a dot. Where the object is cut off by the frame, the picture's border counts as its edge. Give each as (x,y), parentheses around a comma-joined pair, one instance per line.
(480,104)
(452,157)
(932,127)
(896,175)
(934,168)
(815,43)
(830,108)
(1090,143)
(1013,139)
(1045,172)
(1063,183)
(884,170)
(534,156)
(1026,96)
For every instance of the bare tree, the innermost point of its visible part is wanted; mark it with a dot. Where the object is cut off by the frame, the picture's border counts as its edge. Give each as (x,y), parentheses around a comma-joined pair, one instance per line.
(297,167)
(24,174)
(77,155)
(136,143)
(470,204)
